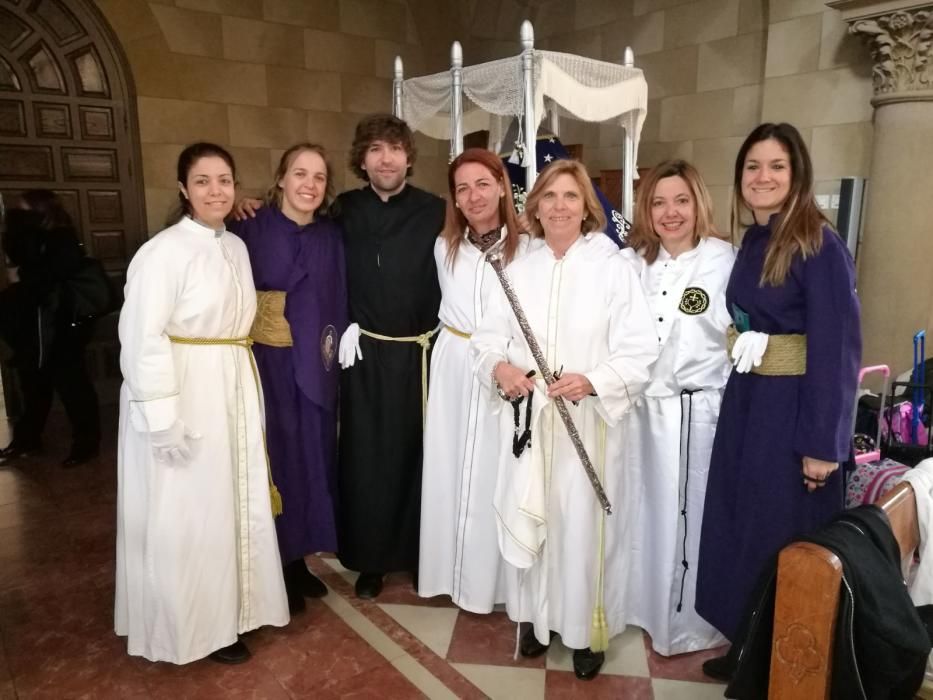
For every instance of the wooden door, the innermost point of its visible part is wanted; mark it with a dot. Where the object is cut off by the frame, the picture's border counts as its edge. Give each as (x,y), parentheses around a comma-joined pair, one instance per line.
(68,124)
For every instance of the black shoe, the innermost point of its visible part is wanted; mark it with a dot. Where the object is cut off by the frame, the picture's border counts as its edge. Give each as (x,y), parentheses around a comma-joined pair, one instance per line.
(721,668)
(530,647)
(77,457)
(296,601)
(236,653)
(586,663)
(299,578)
(17,450)
(368,585)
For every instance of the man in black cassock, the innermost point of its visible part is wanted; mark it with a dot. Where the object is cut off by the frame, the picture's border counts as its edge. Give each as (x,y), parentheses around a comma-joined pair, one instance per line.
(390,228)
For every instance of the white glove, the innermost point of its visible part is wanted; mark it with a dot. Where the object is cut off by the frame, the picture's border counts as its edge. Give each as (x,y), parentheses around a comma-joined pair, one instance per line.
(349,351)
(748,350)
(171,445)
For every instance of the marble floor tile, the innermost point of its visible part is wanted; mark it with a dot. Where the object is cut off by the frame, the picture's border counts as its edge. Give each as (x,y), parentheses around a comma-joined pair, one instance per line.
(681,667)
(625,656)
(665,689)
(379,683)
(433,626)
(324,648)
(505,682)
(429,684)
(487,639)
(561,685)
(207,679)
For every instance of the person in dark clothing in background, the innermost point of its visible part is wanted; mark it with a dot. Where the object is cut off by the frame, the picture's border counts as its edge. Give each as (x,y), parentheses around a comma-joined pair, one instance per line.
(42,320)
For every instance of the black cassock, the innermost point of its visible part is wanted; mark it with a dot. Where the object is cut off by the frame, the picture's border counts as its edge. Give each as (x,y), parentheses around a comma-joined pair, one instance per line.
(393,291)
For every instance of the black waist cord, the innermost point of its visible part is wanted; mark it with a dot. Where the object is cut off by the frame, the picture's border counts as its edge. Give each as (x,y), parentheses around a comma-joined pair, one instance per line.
(683,511)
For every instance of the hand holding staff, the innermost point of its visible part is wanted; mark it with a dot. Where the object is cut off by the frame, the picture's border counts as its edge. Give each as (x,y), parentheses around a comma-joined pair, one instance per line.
(494,259)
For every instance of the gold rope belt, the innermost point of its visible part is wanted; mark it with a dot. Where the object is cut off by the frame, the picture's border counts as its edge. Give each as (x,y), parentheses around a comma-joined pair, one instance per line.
(270,326)
(786,355)
(424,340)
(458,332)
(274,495)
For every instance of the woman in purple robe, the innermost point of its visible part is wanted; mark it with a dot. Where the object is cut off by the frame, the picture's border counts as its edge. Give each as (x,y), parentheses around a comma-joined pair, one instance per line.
(785,423)
(297,257)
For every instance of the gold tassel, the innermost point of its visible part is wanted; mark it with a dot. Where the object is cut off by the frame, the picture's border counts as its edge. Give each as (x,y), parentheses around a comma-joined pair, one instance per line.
(599,634)
(599,631)
(276,499)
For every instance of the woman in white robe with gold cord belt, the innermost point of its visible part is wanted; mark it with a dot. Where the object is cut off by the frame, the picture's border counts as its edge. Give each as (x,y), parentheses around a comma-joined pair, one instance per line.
(567,558)
(197,559)
(684,268)
(459,553)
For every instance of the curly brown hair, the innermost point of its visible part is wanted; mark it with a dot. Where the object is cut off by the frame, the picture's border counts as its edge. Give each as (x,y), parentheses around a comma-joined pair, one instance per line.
(380,127)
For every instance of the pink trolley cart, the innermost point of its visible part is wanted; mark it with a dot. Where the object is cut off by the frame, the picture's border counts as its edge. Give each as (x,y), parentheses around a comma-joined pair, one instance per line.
(873,475)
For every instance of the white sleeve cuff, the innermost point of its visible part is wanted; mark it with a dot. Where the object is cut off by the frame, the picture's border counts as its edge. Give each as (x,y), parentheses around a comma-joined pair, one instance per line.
(154,414)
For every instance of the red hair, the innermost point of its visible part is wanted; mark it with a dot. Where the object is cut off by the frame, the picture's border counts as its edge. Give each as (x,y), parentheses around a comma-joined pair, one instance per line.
(456,222)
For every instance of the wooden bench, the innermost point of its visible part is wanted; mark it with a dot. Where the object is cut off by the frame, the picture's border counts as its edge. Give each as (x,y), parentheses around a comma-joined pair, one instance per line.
(807,601)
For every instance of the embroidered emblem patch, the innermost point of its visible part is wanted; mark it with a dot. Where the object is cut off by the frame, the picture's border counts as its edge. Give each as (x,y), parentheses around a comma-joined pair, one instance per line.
(694,301)
(328,346)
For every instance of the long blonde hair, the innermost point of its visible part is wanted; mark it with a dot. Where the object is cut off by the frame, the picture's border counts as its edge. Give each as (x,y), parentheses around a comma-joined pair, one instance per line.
(594,218)
(799,227)
(643,238)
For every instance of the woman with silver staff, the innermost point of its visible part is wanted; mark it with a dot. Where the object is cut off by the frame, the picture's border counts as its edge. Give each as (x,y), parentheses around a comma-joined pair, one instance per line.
(586,310)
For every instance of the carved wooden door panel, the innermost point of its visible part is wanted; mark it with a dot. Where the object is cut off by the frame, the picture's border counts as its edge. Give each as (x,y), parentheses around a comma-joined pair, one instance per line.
(68,124)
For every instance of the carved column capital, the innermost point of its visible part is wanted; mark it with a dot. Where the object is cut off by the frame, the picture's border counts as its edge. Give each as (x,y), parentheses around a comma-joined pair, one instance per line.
(900,38)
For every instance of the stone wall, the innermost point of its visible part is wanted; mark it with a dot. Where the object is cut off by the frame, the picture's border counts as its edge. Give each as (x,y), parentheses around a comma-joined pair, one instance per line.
(260,75)
(715,69)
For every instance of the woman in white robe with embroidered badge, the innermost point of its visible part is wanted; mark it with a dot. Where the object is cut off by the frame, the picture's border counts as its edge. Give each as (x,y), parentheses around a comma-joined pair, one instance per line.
(197,558)
(684,268)
(567,560)
(459,552)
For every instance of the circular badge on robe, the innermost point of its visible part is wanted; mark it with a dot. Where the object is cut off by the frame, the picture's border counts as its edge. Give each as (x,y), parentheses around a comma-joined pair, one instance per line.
(694,301)
(328,346)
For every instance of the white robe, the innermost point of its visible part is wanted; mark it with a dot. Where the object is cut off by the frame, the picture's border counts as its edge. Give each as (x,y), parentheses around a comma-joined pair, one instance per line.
(921,581)
(590,316)
(668,431)
(197,559)
(459,553)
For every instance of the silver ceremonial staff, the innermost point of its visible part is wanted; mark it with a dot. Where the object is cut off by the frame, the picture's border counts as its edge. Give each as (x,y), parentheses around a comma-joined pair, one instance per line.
(494,258)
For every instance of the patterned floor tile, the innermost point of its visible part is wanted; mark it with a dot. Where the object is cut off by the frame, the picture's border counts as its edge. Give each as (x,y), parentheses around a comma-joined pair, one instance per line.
(665,689)
(625,656)
(487,639)
(561,685)
(682,667)
(505,682)
(433,626)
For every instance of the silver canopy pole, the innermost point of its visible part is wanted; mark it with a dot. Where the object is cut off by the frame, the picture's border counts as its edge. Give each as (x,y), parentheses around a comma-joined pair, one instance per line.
(628,153)
(456,100)
(397,88)
(531,124)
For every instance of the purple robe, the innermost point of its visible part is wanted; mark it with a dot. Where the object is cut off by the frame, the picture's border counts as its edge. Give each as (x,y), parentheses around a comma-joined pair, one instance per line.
(756,501)
(300,382)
